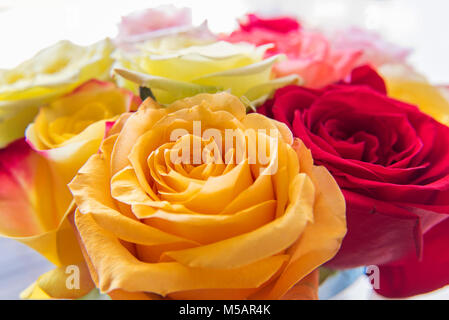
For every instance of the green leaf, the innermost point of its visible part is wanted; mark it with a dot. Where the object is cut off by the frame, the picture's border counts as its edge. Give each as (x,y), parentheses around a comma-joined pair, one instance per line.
(145,93)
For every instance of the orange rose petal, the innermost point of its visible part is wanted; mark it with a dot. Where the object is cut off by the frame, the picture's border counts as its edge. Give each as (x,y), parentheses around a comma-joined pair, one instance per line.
(217,192)
(258,244)
(304,156)
(181,197)
(281,180)
(158,171)
(90,266)
(306,289)
(321,239)
(260,191)
(205,228)
(136,125)
(120,270)
(90,188)
(124,295)
(272,127)
(136,232)
(161,133)
(216,102)
(106,147)
(126,188)
(92,197)
(179,182)
(213,294)
(53,284)
(118,124)
(152,254)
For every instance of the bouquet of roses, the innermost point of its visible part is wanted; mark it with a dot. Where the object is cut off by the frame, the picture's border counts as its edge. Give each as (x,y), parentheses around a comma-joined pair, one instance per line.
(174,163)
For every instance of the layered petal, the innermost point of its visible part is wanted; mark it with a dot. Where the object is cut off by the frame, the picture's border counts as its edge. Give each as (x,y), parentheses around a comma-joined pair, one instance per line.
(228,224)
(406,85)
(159,23)
(70,129)
(53,72)
(310,55)
(413,275)
(27,215)
(178,71)
(389,158)
(58,284)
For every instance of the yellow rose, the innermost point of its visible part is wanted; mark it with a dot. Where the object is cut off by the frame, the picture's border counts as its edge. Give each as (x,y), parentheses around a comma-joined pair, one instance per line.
(406,85)
(200,200)
(174,68)
(51,73)
(70,129)
(63,136)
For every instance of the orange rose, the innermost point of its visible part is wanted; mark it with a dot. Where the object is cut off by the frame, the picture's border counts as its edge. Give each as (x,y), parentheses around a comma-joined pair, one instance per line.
(165,211)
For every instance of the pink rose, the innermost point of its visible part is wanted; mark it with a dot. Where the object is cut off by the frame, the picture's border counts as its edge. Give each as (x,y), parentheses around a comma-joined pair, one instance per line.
(310,54)
(157,22)
(376,51)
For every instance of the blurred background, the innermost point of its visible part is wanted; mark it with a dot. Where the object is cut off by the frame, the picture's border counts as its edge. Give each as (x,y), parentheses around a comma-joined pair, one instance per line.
(27,26)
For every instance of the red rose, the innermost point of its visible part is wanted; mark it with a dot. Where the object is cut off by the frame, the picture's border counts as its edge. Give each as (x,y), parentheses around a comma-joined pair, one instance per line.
(278,24)
(392,163)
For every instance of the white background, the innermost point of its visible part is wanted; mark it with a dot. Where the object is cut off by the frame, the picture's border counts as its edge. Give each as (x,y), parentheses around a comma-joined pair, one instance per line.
(30,25)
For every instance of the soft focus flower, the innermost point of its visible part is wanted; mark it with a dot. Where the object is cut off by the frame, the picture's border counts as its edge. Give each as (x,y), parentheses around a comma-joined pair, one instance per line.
(391,161)
(70,129)
(163,21)
(51,73)
(229,225)
(35,199)
(309,54)
(405,84)
(375,50)
(163,17)
(279,24)
(444,90)
(34,204)
(24,214)
(174,69)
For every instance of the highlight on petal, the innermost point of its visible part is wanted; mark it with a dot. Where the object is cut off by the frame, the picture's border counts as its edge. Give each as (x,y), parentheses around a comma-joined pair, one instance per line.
(183,70)
(51,73)
(159,23)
